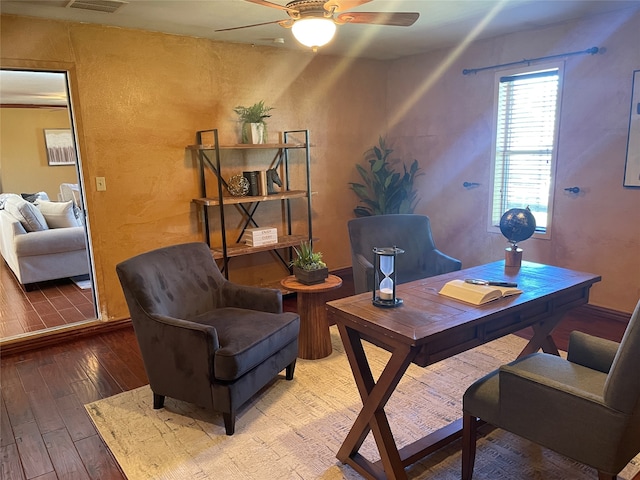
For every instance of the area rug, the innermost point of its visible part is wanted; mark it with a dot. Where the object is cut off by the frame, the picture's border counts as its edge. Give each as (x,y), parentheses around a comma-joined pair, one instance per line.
(292,430)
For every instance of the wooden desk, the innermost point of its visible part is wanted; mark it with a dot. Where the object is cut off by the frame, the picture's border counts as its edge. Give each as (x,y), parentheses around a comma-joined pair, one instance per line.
(314,341)
(430,327)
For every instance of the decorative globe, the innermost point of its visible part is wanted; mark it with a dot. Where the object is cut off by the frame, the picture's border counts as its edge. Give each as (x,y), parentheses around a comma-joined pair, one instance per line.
(517,225)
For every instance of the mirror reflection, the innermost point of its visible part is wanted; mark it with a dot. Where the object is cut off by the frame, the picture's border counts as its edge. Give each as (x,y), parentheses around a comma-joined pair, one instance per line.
(45,272)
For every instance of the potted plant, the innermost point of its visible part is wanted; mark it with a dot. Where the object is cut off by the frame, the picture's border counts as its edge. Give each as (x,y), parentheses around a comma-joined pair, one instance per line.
(308,266)
(254,129)
(385,190)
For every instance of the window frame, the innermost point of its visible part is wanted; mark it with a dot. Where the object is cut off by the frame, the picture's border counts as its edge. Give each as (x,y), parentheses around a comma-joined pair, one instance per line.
(554,155)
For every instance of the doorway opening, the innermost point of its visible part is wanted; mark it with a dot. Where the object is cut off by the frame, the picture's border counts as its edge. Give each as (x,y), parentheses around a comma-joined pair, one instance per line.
(50,286)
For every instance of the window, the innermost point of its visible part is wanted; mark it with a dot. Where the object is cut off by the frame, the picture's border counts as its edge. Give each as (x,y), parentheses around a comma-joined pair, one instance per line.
(528,106)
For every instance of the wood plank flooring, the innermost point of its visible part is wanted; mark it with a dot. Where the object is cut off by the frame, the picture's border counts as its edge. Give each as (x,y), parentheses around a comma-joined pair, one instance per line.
(49,304)
(45,432)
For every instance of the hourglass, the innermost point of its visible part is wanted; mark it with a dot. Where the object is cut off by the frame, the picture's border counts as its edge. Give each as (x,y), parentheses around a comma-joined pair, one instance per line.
(384,282)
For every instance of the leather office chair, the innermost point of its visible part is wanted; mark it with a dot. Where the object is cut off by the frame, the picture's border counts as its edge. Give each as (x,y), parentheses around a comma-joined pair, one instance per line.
(585,407)
(410,232)
(203,339)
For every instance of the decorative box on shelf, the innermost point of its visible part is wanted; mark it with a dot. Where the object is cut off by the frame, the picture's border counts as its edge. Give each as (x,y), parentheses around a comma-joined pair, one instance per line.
(256,237)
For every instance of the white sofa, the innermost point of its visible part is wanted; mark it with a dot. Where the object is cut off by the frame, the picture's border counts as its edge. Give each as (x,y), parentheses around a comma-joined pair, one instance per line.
(43,253)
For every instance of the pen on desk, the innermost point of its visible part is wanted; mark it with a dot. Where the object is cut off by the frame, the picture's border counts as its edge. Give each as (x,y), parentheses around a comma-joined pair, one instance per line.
(476,281)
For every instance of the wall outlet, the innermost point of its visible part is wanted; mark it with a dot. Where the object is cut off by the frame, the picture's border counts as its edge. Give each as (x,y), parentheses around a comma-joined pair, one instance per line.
(101,184)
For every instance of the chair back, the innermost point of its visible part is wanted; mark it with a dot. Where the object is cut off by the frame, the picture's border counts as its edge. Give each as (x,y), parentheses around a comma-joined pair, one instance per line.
(410,232)
(180,281)
(622,387)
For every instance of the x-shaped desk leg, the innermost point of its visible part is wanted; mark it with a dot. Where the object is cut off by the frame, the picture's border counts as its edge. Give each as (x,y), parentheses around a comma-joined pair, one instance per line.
(372,417)
(542,337)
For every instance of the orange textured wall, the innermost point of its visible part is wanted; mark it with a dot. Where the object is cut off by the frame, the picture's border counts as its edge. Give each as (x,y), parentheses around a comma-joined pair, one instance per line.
(448,126)
(139,98)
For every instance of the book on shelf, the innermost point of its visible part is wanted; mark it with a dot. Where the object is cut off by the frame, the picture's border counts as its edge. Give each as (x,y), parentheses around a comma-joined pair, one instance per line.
(262,183)
(256,237)
(253,177)
(476,294)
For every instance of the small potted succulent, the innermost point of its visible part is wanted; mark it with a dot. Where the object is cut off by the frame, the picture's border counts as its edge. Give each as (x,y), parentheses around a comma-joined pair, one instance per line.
(308,266)
(254,128)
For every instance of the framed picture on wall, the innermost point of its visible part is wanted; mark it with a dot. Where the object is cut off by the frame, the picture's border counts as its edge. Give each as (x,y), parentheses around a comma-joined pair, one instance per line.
(632,166)
(59,145)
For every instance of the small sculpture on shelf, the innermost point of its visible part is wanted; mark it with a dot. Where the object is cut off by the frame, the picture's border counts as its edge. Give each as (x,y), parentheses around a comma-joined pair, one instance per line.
(273,178)
(238,186)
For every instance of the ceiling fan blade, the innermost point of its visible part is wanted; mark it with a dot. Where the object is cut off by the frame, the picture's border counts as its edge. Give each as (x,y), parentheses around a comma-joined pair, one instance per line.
(379,18)
(265,3)
(249,26)
(343,5)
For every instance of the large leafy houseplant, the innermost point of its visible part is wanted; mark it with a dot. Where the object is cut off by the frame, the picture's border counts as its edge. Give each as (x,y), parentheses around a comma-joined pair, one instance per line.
(384,190)
(255,114)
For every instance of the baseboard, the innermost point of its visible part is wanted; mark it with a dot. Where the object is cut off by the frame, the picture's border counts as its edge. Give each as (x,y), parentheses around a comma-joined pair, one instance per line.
(48,338)
(605,313)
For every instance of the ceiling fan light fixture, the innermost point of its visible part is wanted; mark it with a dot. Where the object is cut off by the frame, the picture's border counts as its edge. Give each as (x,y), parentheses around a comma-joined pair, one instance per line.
(314,32)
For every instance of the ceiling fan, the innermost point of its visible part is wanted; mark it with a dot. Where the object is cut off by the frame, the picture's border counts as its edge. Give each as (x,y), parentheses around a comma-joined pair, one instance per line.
(313,22)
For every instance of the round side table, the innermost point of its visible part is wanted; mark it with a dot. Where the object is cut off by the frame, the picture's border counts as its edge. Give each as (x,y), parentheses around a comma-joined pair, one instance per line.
(314,341)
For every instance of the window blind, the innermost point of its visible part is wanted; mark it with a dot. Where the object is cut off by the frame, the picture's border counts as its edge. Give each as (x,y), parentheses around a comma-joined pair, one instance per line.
(525,144)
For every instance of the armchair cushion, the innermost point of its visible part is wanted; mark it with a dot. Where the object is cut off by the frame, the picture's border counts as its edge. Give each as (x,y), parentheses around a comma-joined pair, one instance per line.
(246,338)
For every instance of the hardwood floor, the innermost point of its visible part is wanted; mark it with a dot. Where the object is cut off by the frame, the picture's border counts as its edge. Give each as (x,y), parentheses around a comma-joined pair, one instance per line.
(49,304)
(45,431)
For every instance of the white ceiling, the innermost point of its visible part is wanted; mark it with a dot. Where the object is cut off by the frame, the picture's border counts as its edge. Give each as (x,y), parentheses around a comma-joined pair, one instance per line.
(442,23)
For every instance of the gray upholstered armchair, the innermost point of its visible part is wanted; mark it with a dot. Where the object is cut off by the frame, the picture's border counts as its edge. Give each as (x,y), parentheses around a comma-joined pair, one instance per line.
(586,407)
(203,339)
(412,233)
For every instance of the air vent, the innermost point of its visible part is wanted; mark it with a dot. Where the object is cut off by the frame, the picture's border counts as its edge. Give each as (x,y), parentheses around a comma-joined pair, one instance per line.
(106,6)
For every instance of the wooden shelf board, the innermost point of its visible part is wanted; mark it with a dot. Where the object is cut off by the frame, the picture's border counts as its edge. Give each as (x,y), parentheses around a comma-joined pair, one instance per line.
(229,200)
(248,146)
(238,249)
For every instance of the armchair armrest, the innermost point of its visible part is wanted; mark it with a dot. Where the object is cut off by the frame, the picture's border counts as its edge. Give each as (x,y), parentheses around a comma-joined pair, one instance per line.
(443,263)
(252,298)
(365,266)
(591,352)
(176,352)
(512,380)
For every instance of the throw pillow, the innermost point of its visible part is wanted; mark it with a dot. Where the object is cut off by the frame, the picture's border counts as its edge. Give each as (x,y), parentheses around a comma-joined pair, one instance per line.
(4,196)
(58,214)
(33,197)
(28,215)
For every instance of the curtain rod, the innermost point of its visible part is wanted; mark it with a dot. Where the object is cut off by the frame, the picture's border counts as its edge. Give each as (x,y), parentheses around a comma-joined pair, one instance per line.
(589,51)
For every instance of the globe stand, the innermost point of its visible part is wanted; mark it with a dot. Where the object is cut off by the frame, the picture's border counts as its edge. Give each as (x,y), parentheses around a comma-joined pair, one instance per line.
(516,224)
(513,257)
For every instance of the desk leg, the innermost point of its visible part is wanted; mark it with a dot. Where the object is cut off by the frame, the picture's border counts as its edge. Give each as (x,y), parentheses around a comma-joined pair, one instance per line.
(372,417)
(542,337)
(314,340)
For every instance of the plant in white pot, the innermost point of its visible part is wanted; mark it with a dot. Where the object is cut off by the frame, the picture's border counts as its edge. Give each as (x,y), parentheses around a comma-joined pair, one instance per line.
(308,266)
(254,128)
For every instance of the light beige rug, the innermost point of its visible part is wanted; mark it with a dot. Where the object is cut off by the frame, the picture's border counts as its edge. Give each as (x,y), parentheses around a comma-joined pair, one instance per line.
(292,430)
